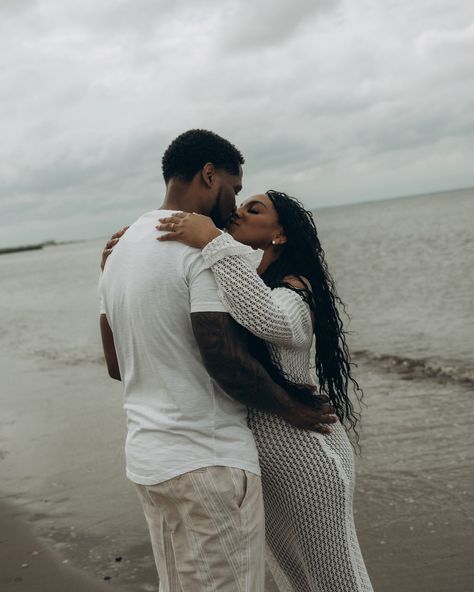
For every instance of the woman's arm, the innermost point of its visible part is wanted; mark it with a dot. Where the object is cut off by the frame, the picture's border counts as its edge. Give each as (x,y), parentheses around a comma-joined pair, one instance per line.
(279,316)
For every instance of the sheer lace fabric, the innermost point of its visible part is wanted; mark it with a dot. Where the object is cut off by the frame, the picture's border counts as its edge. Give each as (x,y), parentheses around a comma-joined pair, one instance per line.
(307,478)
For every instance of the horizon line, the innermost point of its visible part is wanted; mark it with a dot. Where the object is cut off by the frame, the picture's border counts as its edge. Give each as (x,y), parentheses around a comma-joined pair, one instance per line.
(55,242)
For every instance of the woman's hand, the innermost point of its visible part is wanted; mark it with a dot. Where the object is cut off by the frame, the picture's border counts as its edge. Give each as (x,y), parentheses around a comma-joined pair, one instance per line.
(110,244)
(193,230)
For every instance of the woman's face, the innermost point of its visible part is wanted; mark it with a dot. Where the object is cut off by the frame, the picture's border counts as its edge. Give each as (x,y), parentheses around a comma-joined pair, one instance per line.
(255,223)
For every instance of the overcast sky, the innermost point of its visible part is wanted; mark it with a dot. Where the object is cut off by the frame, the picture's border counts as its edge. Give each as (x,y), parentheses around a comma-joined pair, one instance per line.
(332,101)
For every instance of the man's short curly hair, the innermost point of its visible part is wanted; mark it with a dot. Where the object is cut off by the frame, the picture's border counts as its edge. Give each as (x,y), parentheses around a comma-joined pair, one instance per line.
(190,151)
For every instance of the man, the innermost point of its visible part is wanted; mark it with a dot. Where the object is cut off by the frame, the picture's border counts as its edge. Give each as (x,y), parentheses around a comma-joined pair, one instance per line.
(187,379)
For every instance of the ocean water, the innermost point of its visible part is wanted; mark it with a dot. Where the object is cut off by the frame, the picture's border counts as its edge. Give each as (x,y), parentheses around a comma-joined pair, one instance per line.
(404,268)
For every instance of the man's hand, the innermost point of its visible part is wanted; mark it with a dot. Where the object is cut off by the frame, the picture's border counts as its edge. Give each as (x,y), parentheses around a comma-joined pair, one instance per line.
(316,419)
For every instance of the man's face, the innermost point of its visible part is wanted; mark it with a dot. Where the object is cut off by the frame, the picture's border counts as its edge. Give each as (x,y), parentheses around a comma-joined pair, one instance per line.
(228,187)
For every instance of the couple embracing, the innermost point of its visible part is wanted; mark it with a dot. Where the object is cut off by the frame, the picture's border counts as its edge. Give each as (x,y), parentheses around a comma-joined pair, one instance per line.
(238,449)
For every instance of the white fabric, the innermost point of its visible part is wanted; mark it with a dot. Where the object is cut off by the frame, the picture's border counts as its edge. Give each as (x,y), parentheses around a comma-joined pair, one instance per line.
(178,419)
(279,316)
(307,478)
(207,531)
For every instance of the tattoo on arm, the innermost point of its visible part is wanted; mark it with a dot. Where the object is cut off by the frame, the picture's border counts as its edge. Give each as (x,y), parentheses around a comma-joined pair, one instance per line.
(223,346)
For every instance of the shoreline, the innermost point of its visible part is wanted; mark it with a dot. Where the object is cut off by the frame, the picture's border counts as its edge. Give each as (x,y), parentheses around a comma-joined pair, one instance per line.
(63,483)
(29,565)
(65,494)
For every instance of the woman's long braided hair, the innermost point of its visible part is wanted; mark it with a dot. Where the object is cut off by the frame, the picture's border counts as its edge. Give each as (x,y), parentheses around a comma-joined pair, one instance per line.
(303,257)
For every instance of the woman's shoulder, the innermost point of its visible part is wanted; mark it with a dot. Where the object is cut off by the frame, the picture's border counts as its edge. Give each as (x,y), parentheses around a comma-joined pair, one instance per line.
(297,281)
(302,285)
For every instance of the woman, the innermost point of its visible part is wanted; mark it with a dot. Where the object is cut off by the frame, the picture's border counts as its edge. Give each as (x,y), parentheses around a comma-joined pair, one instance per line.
(307,478)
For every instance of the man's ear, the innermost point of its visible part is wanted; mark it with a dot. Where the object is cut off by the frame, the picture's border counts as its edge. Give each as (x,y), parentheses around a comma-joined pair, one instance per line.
(208,172)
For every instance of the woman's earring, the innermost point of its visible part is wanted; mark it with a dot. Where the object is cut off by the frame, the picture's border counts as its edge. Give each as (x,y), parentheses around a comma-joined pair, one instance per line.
(274,242)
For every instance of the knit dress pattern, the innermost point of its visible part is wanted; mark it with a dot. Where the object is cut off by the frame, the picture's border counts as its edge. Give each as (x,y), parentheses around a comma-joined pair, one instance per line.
(307,478)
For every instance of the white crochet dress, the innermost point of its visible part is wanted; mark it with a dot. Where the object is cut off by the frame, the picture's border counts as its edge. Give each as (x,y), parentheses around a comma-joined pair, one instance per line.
(307,478)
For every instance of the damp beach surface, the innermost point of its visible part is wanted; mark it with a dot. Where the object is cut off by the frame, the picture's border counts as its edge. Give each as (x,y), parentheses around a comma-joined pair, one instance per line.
(69,519)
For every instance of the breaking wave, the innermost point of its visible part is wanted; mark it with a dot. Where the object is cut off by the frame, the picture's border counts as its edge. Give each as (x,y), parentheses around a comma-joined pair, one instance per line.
(73,357)
(418,368)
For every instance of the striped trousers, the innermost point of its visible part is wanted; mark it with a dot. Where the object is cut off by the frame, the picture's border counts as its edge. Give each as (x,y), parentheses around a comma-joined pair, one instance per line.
(207,530)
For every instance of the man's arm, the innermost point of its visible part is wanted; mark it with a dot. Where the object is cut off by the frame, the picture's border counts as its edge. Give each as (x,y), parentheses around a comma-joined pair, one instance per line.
(223,347)
(109,348)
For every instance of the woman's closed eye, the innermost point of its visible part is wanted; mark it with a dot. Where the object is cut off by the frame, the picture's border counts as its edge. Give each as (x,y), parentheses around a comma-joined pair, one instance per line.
(253,208)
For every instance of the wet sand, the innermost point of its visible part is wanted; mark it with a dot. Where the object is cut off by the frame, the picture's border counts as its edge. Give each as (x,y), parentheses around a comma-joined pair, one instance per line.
(29,565)
(64,493)
(61,445)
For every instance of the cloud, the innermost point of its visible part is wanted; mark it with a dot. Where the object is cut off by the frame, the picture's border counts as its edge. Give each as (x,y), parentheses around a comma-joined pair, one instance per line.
(269,23)
(331,101)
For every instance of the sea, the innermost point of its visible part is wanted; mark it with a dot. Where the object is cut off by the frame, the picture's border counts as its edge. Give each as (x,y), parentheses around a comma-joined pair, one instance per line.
(405,270)
(403,267)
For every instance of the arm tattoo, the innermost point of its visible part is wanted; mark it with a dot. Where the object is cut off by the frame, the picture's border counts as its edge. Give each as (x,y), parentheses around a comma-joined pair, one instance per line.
(223,346)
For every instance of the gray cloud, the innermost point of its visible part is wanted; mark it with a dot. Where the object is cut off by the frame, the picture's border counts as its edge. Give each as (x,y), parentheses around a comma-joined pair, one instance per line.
(12,8)
(331,101)
(268,23)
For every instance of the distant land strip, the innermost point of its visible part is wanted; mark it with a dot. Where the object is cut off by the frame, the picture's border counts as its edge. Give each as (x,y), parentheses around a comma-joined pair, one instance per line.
(8,250)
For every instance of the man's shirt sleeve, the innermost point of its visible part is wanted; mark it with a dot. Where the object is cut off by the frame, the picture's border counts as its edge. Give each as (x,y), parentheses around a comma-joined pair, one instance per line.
(203,289)
(100,296)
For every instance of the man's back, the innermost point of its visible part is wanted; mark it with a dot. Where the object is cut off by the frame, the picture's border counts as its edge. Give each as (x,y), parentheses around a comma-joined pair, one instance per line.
(178,418)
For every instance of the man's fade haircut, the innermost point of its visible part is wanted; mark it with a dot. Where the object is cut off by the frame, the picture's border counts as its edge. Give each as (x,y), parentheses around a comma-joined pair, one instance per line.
(190,151)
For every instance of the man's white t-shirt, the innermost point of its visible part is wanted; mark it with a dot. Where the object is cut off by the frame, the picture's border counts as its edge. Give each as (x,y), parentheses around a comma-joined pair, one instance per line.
(178,418)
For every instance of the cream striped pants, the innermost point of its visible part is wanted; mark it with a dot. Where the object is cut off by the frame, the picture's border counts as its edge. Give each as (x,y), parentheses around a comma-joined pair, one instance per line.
(207,530)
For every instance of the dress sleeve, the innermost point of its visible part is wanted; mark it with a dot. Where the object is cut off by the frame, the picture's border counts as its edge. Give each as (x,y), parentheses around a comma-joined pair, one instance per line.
(279,316)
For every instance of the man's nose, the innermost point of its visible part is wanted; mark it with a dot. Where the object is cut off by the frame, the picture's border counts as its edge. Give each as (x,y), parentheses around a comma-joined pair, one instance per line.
(232,216)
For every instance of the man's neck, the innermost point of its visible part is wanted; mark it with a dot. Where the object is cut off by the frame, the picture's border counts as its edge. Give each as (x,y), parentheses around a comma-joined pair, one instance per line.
(182,196)
(175,205)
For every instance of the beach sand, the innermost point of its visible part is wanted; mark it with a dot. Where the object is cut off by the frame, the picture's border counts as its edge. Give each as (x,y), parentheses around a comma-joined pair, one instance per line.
(64,493)
(408,280)
(29,565)
(62,437)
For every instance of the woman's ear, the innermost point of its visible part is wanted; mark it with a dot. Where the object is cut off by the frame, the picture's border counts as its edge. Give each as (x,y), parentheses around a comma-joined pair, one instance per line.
(280,238)
(208,174)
